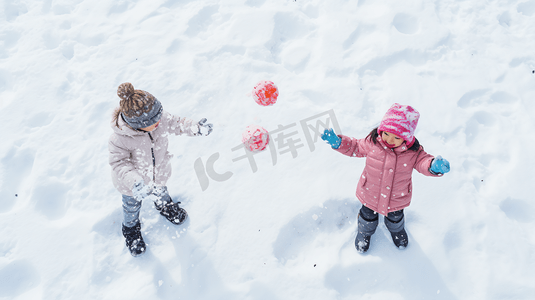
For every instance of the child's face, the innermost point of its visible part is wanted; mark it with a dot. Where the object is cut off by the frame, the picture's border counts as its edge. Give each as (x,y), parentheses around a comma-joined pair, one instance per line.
(151,128)
(391,139)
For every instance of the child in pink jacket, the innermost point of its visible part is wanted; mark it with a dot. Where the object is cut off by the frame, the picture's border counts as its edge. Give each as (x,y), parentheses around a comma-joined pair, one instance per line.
(385,186)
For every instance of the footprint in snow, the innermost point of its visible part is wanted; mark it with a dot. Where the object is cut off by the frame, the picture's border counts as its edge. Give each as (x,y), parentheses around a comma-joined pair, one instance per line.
(335,215)
(405,23)
(17,166)
(526,8)
(17,278)
(519,210)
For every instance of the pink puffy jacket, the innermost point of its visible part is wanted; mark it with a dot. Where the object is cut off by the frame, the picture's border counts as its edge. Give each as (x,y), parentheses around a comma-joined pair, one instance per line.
(386,182)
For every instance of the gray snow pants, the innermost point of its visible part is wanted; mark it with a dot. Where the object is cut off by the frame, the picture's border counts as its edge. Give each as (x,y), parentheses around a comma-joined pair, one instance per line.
(368,221)
(131,206)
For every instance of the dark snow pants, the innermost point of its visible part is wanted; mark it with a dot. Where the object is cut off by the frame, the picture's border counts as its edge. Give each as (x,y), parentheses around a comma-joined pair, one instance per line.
(368,221)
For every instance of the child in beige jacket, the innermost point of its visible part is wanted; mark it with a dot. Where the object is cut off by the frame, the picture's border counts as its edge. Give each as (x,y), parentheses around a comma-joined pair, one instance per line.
(140,161)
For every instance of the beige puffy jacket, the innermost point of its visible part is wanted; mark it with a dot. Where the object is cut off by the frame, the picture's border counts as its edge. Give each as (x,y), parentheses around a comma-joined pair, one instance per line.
(136,155)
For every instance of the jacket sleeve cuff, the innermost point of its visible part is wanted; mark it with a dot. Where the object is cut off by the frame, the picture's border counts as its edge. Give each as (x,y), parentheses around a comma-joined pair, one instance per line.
(436,174)
(431,171)
(345,146)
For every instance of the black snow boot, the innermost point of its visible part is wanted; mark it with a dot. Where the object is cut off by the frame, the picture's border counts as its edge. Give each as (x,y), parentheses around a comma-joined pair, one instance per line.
(362,242)
(365,231)
(397,231)
(174,213)
(400,239)
(134,240)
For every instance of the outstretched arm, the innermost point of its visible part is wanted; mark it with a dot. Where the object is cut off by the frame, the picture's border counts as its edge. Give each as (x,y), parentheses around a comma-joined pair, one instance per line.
(345,145)
(181,125)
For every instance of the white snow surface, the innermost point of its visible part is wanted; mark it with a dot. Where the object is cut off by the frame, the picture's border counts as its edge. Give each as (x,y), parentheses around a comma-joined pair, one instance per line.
(287,230)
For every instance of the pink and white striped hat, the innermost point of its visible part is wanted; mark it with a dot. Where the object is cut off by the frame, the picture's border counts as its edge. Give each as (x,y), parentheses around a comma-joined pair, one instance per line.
(400,120)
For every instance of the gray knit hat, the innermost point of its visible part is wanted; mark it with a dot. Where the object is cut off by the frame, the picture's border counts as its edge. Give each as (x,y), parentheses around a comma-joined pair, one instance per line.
(146,119)
(139,109)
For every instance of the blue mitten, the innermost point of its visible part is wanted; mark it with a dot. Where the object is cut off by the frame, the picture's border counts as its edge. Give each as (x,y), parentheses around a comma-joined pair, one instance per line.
(440,165)
(330,137)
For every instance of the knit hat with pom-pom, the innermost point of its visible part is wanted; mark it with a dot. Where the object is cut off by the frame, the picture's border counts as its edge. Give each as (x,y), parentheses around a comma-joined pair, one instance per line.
(400,120)
(138,108)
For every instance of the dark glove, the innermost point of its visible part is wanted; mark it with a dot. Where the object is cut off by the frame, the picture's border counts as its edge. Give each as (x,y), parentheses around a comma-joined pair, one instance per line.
(204,128)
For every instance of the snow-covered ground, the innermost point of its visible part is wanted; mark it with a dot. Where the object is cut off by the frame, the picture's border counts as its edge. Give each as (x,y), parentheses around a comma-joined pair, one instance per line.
(285,231)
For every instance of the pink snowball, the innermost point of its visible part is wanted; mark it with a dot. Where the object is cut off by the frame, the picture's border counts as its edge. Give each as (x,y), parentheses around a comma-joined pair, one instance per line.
(265,93)
(255,138)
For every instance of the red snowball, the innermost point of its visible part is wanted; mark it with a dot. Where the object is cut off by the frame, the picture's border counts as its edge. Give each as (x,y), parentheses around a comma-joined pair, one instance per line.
(255,138)
(265,93)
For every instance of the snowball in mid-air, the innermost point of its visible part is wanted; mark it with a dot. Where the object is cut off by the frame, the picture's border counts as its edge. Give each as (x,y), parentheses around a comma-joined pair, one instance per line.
(255,138)
(265,93)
